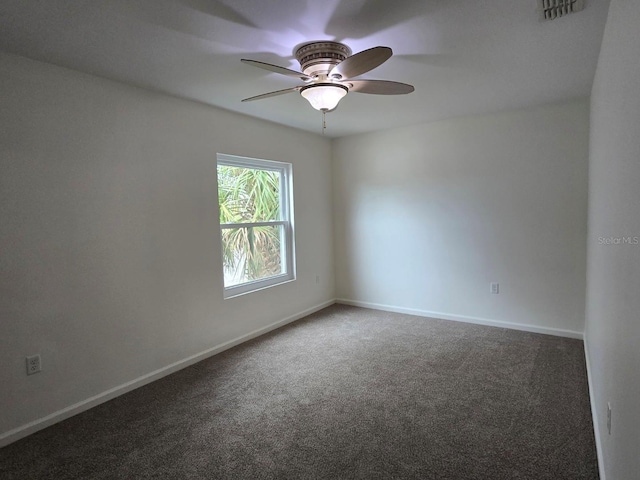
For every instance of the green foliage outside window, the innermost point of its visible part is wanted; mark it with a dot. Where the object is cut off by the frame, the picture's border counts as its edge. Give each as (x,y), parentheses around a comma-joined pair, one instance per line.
(249,195)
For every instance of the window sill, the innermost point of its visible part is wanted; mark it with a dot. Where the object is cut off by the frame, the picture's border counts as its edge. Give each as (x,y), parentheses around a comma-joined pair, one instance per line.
(246,288)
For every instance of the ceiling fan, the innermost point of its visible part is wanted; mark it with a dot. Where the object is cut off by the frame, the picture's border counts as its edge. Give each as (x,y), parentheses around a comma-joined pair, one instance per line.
(328,69)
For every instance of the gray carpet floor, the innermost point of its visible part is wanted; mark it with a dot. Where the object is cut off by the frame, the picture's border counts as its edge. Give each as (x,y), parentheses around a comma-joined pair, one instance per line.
(346,393)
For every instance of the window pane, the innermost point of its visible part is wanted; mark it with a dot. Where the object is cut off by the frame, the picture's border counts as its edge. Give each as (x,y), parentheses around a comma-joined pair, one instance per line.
(251,253)
(248,195)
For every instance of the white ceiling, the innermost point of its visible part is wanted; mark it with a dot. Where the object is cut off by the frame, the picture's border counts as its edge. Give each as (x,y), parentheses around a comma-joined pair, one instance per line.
(463,56)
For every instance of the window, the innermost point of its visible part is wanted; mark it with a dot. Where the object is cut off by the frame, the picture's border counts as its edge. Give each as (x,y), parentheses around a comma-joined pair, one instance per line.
(256,223)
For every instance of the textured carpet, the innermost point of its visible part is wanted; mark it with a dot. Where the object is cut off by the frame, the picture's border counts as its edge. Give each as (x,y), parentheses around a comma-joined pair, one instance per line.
(346,393)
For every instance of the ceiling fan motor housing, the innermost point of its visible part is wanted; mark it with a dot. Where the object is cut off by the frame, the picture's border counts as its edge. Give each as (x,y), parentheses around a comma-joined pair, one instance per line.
(318,58)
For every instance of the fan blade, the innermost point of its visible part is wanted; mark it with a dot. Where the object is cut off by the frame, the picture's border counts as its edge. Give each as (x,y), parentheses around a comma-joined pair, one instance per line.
(272,94)
(379,87)
(361,62)
(276,69)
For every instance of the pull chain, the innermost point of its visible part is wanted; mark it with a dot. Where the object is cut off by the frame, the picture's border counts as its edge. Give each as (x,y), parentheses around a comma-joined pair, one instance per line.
(324,123)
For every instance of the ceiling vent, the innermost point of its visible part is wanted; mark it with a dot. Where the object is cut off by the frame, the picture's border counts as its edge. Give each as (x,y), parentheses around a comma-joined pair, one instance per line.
(552,9)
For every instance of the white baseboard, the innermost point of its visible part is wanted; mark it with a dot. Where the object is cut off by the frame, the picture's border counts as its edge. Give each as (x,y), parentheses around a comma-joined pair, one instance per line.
(594,413)
(24,430)
(558,332)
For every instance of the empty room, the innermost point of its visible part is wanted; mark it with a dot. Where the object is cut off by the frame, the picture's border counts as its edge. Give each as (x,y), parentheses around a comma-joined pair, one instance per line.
(291,239)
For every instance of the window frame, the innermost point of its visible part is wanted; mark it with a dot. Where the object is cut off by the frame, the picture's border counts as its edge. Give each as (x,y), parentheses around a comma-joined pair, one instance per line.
(287,241)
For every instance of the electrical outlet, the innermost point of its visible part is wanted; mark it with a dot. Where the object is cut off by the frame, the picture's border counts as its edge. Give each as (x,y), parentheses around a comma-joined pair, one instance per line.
(494,288)
(317,279)
(34,364)
(609,417)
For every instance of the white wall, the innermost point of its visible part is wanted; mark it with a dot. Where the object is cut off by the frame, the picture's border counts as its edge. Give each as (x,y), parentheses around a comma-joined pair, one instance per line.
(613,297)
(110,250)
(427,216)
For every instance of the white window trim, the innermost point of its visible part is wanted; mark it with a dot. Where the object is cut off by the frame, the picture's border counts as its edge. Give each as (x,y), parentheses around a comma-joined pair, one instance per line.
(287,246)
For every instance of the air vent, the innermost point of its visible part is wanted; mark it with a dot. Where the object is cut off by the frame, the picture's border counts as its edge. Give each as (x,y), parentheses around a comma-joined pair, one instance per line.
(552,9)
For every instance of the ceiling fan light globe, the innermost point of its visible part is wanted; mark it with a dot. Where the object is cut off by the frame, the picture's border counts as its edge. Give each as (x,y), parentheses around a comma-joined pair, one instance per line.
(324,96)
